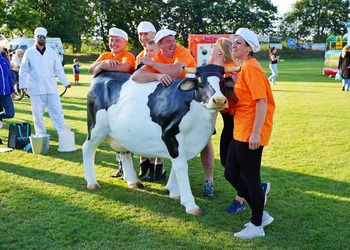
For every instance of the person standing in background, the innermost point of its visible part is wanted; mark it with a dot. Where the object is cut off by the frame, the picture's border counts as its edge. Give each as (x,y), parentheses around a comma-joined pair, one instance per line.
(7,92)
(273,65)
(37,77)
(343,67)
(16,63)
(76,71)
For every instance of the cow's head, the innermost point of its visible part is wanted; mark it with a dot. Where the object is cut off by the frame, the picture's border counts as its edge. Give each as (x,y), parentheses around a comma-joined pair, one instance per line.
(209,84)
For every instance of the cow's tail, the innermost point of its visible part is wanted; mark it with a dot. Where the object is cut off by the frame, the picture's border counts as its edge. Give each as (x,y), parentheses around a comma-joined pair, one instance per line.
(91,115)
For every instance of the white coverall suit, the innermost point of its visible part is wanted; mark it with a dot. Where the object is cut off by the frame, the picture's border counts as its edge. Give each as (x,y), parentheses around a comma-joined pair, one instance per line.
(38,74)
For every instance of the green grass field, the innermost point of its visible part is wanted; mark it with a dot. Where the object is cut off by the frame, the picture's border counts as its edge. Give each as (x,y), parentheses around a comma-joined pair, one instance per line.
(44,202)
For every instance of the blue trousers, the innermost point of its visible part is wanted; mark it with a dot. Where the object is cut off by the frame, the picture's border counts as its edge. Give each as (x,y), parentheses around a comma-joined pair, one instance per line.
(7,105)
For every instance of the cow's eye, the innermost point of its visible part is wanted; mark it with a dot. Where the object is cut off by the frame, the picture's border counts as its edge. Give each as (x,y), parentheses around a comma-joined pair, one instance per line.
(202,85)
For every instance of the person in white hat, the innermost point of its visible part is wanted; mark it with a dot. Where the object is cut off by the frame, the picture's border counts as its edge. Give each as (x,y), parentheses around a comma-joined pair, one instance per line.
(168,62)
(40,64)
(118,59)
(252,130)
(146,32)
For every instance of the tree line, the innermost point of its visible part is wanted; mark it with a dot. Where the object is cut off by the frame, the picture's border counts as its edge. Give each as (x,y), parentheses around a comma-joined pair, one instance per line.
(75,21)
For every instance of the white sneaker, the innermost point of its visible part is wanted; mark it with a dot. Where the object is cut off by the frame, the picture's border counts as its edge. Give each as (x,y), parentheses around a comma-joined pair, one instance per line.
(1,126)
(251,231)
(265,220)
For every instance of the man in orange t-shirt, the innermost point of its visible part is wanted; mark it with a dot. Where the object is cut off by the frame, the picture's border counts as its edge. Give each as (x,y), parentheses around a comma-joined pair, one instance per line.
(146,32)
(167,63)
(118,59)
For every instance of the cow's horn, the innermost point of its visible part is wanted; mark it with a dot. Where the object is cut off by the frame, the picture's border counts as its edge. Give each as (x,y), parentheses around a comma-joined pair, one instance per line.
(231,69)
(189,70)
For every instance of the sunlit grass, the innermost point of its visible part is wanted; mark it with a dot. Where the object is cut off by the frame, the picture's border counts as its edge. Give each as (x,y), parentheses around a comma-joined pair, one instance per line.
(44,202)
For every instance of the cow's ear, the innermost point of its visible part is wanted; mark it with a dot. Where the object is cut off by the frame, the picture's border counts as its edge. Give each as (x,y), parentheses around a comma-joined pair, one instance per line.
(188,84)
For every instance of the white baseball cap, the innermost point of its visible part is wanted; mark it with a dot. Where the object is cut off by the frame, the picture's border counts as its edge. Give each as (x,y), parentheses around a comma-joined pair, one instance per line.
(40,31)
(250,37)
(118,32)
(145,26)
(163,33)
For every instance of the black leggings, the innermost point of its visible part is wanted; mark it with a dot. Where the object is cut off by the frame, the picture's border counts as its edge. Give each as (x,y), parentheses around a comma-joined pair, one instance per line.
(226,136)
(243,172)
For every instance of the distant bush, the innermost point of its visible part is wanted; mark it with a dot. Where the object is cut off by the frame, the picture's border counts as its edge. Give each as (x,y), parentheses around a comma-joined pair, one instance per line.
(293,53)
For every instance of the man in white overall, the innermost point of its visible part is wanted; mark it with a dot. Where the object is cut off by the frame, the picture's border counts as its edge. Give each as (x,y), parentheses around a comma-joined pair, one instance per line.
(39,68)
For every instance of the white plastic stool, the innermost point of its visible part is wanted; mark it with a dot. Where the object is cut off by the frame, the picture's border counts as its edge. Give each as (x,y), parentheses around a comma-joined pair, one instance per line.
(66,140)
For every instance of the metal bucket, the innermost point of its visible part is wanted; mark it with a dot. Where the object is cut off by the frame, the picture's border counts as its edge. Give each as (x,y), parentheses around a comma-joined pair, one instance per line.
(40,144)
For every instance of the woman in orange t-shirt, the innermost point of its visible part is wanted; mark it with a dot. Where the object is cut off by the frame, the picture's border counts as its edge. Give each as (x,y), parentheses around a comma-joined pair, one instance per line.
(252,130)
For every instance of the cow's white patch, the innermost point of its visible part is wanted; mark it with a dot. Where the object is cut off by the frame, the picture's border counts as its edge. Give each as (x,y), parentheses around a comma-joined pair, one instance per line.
(130,121)
(198,121)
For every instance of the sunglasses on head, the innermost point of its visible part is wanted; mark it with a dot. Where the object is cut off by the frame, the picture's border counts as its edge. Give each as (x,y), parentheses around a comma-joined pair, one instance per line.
(41,36)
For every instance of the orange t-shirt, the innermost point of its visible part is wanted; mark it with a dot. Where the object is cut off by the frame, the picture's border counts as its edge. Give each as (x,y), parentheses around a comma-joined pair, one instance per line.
(251,85)
(126,57)
(142,54)
(181,55)
(231,103)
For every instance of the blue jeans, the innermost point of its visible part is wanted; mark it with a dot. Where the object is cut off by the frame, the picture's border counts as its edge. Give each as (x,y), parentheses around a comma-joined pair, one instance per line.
(274,70)
(7,105)
(14,75)
(346,82)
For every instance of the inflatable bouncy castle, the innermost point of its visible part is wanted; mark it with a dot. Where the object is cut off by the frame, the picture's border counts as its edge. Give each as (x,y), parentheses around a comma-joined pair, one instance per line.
(332,56)
(331,62)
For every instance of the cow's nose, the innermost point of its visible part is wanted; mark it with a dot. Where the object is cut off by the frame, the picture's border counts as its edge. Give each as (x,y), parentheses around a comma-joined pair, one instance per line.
(219,103)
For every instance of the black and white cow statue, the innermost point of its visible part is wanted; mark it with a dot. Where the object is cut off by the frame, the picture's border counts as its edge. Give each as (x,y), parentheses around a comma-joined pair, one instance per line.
(174,122)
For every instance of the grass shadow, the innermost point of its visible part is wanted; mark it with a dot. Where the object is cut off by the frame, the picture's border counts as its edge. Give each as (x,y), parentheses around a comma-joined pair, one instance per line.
(290,187)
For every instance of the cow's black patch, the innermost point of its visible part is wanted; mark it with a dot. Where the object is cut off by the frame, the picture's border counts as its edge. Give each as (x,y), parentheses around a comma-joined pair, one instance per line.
(168,106)
(104,91)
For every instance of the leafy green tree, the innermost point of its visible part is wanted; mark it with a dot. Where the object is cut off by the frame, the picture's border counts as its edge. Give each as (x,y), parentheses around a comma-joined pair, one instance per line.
(257,15)
(64,18)
(219,16)
(19,18)
(125,15)
(67,19)
(316,19)
(74,20)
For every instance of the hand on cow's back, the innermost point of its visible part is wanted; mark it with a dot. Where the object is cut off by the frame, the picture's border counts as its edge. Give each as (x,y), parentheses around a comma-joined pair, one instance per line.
(165,79)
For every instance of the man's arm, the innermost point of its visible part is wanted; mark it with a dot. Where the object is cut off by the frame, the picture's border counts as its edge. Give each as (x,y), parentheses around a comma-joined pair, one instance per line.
(93,66)
(59,71)
(172,70)
(111,65)
(143,75)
